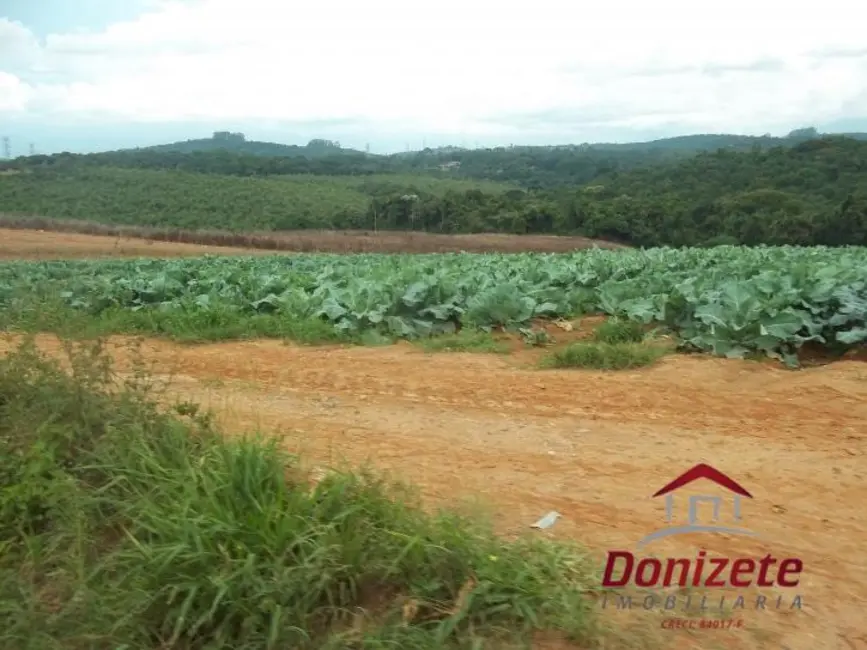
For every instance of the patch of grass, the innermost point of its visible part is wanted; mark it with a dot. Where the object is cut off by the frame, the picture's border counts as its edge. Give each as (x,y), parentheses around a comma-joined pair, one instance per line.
(619,331)
(603,356)
(124,526)
(216,325)
(199,326)
(465,341)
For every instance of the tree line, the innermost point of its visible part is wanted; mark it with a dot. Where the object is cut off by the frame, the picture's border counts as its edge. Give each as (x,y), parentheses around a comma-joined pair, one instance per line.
(807,193)
(531,167)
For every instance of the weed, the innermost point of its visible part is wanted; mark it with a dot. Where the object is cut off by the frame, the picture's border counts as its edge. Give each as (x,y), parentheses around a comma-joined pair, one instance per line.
(198,326)
(619,331)
(603,356)
(464,341)
(536,338)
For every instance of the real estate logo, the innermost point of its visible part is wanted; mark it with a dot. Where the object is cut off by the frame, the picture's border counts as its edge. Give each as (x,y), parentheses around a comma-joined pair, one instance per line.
(698,472)
(623,568)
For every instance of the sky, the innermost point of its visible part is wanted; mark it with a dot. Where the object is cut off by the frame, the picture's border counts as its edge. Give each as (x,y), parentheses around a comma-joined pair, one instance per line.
(93,75)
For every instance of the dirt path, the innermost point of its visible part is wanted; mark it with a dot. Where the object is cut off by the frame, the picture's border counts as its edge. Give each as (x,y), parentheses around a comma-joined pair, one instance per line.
(41,245)
(592,445)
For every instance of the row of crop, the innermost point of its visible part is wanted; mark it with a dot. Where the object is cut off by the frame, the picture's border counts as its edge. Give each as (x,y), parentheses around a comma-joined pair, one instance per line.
(727,300)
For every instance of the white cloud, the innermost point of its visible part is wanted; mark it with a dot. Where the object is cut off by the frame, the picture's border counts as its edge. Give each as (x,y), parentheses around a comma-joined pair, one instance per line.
(475,66)
(14,95)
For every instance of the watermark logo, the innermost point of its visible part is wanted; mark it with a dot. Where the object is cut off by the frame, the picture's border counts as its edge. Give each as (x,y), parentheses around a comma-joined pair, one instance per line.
(623,568)
(698,472)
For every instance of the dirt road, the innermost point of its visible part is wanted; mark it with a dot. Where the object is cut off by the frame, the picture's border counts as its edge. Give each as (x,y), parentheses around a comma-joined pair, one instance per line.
(76,240)
(593,446)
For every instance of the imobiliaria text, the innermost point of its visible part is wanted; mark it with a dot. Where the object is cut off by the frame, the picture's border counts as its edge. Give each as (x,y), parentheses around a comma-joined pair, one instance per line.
(702,572)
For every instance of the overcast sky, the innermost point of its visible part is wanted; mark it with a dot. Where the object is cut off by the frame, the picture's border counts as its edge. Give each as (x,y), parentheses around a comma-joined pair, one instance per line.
(98,74)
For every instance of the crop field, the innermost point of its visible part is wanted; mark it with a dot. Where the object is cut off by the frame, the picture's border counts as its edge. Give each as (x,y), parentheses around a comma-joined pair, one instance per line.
(729,301)
(530,383)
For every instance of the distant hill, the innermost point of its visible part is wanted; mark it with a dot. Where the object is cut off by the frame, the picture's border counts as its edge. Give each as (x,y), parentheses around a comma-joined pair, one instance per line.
(238,143)
(530,167)
(716,141)
(320,148)
(575,164)
(681,143)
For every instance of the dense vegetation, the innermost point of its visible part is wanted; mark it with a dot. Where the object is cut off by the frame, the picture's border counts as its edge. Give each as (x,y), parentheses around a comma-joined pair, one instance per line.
(238,143)
(200,201)
(811,193)
(729,301)
(123,526)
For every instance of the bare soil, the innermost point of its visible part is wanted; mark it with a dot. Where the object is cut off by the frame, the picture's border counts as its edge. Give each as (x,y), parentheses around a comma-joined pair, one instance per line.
(594,446)
(42,245)
(102,239)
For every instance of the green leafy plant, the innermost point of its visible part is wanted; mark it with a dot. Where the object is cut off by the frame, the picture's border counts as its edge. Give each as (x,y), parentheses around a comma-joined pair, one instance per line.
(730,301)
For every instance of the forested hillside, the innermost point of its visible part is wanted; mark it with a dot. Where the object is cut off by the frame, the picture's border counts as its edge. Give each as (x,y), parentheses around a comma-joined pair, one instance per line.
(238,143)
(537,167)
(814,192)
(546,167)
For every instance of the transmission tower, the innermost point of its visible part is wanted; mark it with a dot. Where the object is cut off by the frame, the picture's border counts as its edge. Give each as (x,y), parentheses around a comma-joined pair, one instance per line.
(32,149)
(7,148)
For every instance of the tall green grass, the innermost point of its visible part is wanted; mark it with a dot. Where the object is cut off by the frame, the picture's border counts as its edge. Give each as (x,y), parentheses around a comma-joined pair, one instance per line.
(124,525)
(603,356)
(201,326)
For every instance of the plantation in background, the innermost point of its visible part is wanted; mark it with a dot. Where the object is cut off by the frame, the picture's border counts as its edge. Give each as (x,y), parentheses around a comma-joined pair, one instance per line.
(194,201)
(727,300)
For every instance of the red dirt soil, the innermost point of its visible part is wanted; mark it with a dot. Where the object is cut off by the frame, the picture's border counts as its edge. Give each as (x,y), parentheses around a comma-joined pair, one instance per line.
(593,446)
(37,238)
(39,245)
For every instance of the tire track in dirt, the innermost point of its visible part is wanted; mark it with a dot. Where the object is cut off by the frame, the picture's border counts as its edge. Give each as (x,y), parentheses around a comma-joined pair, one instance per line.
(593,446)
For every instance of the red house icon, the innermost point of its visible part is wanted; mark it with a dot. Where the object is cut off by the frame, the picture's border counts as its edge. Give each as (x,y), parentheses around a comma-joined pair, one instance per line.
(704,471)
(700,471)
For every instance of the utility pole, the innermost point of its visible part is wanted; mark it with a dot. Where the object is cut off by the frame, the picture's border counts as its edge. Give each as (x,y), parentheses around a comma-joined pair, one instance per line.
(7,149)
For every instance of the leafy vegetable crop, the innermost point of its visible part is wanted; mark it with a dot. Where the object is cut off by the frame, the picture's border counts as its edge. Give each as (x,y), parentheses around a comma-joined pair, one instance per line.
(727,300)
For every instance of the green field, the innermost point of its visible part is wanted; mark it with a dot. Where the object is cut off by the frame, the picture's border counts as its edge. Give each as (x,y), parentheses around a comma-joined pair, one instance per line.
(194,201)
(729,301)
